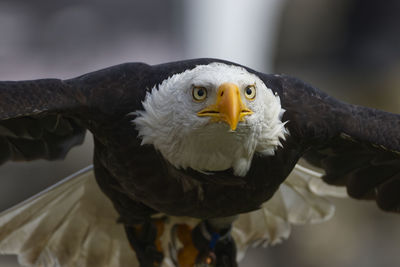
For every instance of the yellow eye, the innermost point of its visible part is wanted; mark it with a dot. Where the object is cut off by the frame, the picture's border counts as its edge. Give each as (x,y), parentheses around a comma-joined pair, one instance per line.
(199,93)
(250,92)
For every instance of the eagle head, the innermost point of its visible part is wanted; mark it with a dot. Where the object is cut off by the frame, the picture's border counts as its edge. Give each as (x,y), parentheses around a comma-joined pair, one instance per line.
(212,118)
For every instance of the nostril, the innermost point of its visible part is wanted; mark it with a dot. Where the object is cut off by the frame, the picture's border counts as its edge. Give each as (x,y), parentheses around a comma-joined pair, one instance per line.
(222,93)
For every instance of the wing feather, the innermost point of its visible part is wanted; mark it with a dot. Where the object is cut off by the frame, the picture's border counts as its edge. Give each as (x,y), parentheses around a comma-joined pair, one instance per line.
(45,118)
(36,121)
(298,201)
(73,224)
(70,224)
(357,147)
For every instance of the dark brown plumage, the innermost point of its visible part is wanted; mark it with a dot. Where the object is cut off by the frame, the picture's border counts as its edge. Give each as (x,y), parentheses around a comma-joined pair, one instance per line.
(358,147)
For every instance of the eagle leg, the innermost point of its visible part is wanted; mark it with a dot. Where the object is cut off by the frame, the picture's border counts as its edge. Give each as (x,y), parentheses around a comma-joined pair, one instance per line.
(215,244)
(144,238)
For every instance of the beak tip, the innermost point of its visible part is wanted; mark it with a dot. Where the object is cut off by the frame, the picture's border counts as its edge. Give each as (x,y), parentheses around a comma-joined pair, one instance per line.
(233,127)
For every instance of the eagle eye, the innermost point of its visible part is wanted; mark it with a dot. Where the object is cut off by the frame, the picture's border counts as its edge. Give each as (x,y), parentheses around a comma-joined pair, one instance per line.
(250,92)
(199,93)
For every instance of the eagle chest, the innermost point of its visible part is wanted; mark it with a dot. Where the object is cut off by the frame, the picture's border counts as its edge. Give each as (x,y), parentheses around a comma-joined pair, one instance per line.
(145,176)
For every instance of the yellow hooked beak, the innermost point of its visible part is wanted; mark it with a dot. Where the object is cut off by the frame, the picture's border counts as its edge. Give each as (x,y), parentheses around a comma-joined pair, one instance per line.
(228,107)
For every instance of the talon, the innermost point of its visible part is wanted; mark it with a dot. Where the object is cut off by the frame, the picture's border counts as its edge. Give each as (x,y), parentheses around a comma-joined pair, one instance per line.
(208,259)
(217,248)
(202,246)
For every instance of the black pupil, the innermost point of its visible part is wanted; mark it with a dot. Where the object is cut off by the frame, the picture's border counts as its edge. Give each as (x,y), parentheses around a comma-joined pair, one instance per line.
(200,92)
(249,90)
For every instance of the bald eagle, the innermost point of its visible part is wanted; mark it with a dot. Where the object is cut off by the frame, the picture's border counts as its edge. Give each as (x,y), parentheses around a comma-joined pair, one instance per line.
(194,160)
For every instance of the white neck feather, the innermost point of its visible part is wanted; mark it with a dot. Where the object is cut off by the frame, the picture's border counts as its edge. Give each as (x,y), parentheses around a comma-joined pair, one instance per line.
(170,123)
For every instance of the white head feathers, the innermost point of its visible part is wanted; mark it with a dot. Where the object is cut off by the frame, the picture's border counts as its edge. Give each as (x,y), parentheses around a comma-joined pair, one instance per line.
(170,121)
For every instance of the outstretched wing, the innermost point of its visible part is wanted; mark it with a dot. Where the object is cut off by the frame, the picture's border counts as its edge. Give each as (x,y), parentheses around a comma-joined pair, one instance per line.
(34,121)
(45,118)
(358,147)
(368,170)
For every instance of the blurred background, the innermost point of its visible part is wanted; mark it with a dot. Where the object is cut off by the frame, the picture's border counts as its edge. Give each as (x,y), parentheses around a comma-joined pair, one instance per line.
(348,48)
